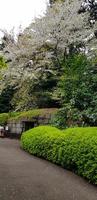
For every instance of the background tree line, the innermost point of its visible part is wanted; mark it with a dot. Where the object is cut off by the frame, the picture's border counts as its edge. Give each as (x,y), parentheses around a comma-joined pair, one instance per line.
(51,64)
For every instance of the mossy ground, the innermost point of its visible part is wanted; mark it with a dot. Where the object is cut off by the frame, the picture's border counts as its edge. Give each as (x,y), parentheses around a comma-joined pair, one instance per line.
(5,117)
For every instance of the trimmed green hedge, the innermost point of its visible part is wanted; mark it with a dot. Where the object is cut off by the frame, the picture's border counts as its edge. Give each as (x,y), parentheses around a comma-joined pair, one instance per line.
(74,148)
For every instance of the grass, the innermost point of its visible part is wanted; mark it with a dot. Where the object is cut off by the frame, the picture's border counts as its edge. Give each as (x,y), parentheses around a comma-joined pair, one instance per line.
(5,117)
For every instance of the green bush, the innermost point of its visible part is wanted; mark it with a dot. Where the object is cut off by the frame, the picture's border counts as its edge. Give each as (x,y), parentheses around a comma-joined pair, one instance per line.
(67,117)
(3,118)
(74,148)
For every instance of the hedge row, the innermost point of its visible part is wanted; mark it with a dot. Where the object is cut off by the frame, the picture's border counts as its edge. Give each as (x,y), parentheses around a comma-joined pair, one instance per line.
(74,148)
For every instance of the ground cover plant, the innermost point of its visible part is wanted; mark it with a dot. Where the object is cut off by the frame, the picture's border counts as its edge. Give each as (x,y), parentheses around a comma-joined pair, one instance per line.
(5,117)
(74,148)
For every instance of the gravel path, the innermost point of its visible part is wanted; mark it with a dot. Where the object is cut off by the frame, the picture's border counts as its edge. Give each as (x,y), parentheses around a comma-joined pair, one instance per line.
(25,177)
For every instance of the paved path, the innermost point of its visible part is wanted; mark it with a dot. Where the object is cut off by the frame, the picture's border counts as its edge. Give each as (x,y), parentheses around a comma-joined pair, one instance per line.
(24,177)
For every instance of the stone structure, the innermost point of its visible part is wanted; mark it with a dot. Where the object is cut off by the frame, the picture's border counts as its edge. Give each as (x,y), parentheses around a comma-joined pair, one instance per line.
(16,127)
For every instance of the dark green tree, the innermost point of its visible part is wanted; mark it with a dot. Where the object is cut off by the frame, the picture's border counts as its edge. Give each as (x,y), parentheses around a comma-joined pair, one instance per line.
(5,99)
(78,92)
(74,68)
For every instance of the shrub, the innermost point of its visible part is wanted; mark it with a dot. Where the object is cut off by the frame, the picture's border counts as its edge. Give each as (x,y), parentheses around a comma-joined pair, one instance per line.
(67,117)
(3,118)
(74,148)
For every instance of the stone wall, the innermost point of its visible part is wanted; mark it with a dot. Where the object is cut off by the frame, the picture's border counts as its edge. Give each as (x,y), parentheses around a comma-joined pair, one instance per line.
(15,127)
(18,126)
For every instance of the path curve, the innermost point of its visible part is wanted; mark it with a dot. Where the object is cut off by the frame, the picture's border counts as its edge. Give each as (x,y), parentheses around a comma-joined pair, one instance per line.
(25,177)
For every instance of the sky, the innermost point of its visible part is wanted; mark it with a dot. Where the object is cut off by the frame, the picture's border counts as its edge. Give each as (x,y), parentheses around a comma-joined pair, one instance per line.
(14,13)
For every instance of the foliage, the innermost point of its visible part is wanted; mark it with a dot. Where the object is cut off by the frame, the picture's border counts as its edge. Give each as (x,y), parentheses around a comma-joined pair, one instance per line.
(54,1)
(60,118)
(77,90)
(74,148)
(5,99)
(37,94)
(46,64)
(30,113)
(34,60)
(74,67)
(2,63)
(67,117)
(3,66)
(5,117)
